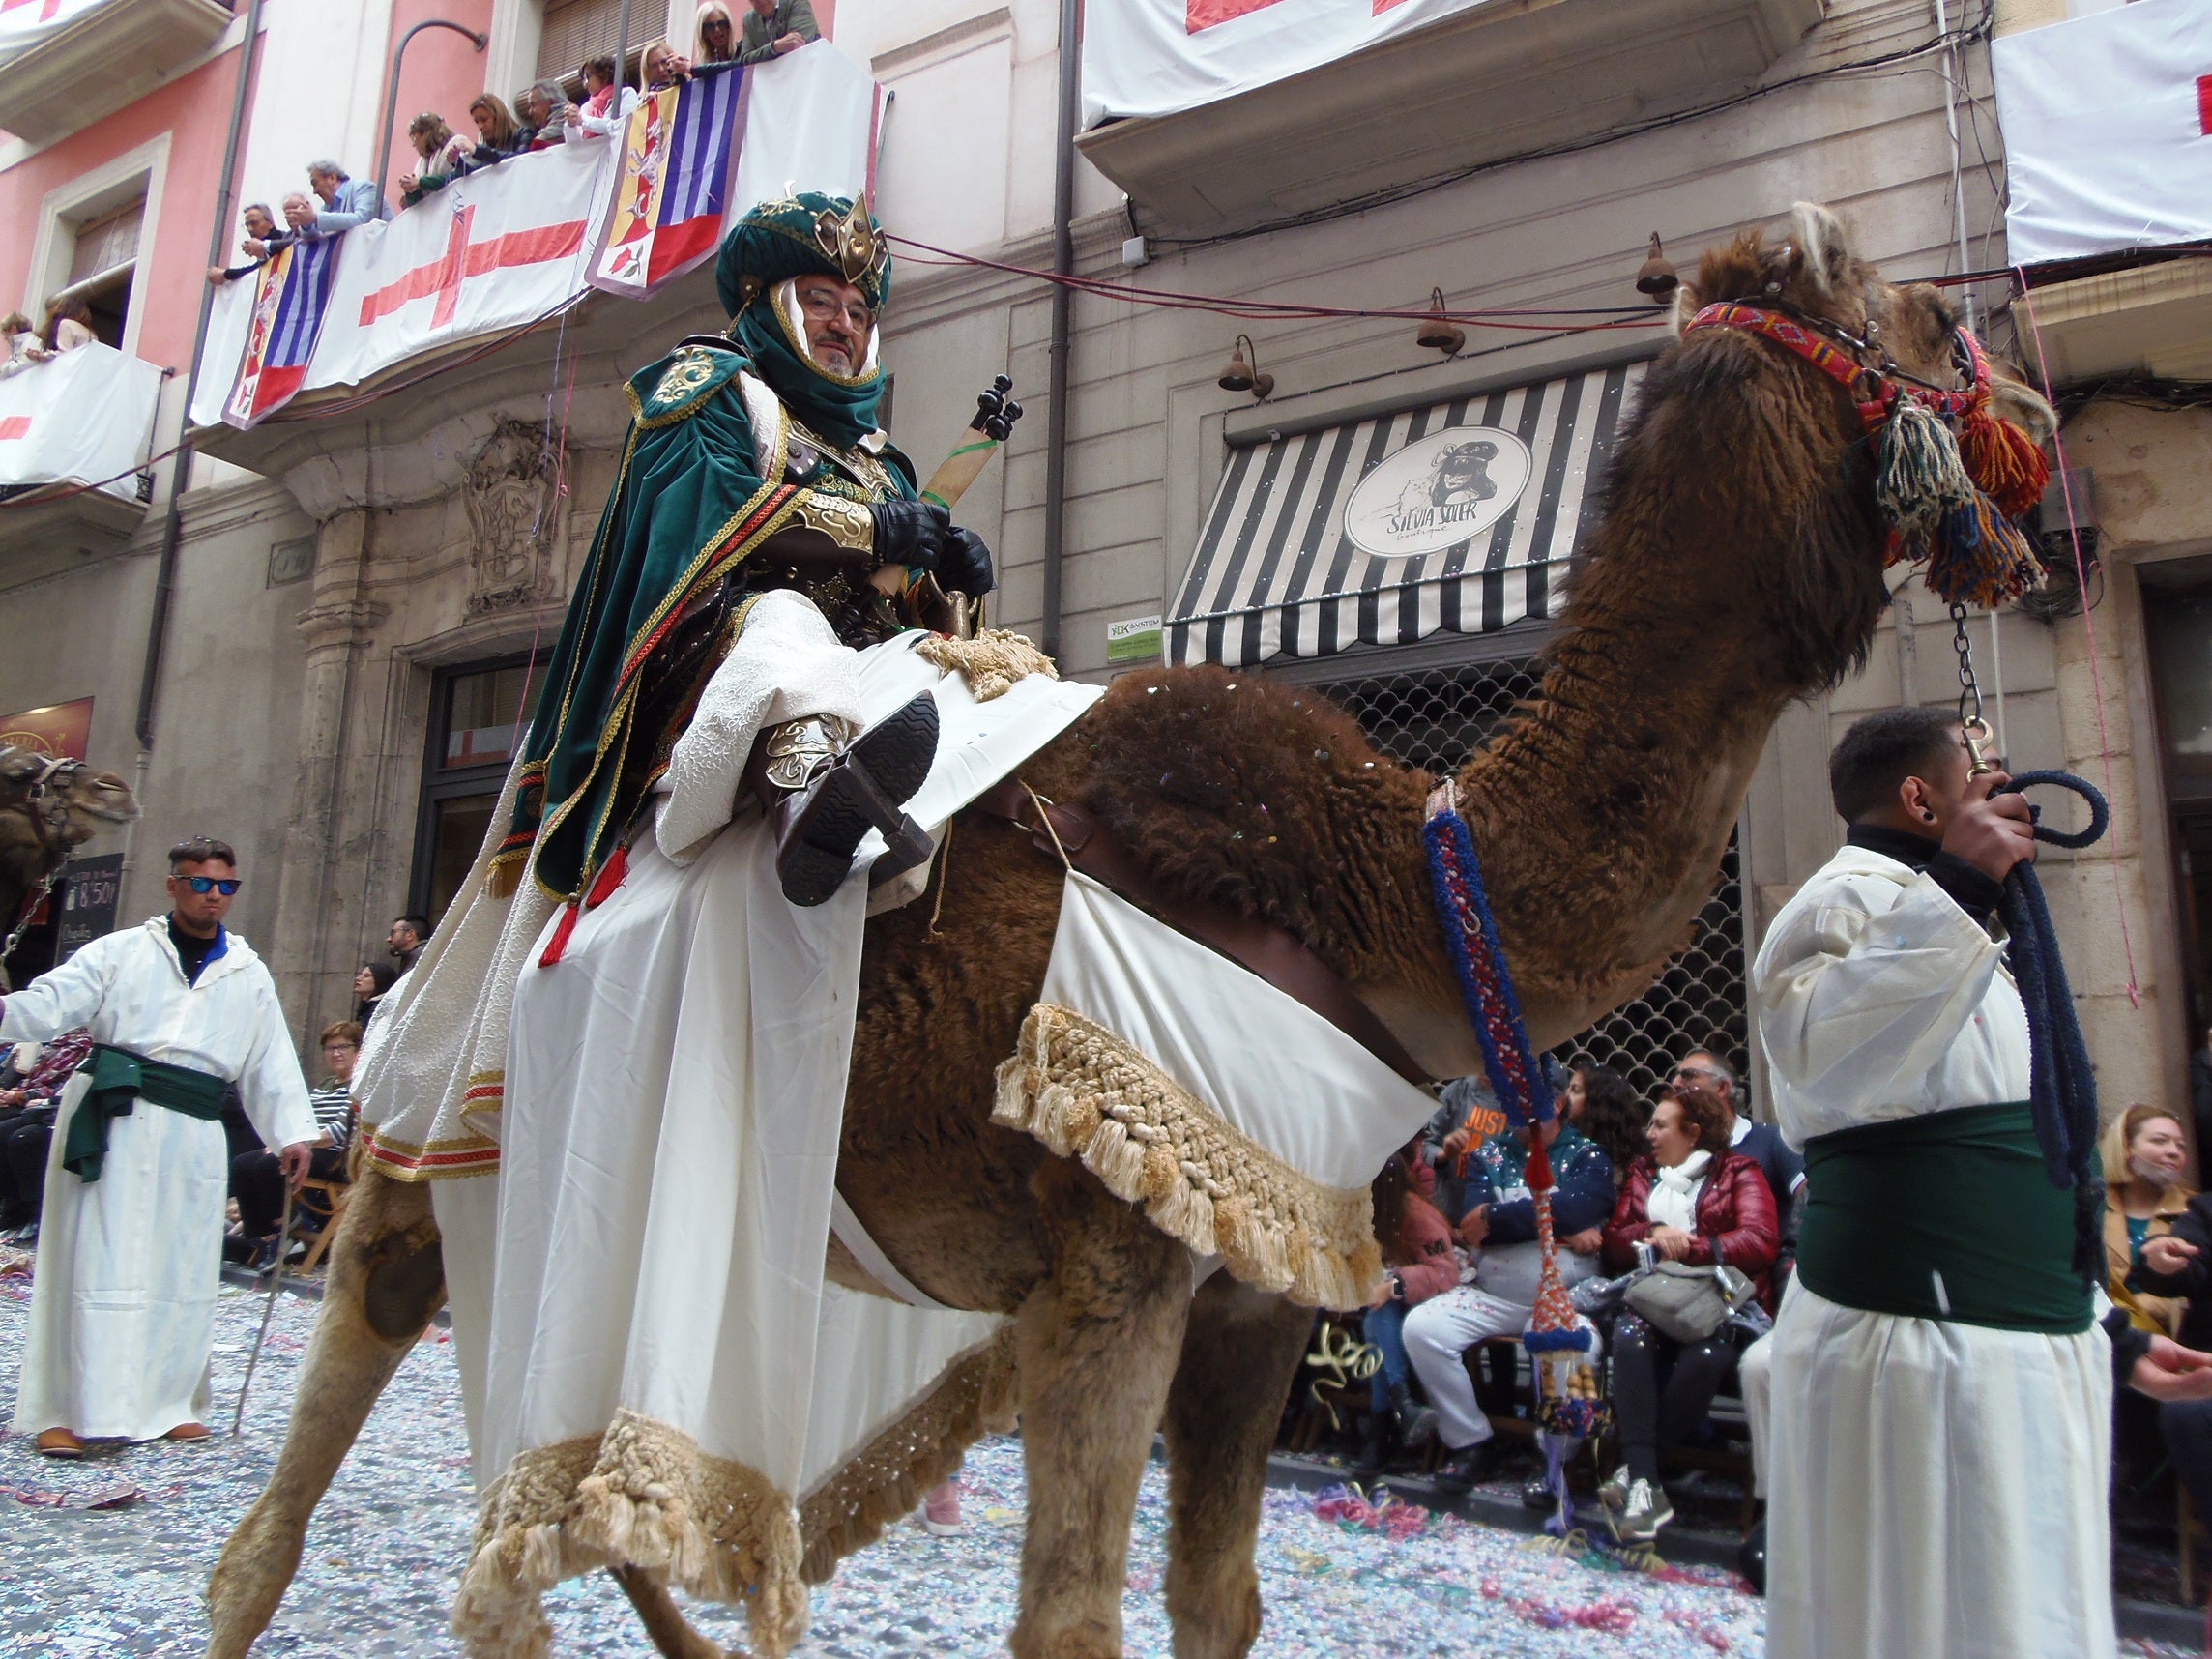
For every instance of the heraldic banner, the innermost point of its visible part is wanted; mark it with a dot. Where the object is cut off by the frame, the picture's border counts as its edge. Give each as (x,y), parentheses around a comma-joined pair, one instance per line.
(291,296)
(747,134)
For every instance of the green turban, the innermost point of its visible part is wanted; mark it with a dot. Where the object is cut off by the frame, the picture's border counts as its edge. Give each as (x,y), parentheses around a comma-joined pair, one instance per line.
(798,236)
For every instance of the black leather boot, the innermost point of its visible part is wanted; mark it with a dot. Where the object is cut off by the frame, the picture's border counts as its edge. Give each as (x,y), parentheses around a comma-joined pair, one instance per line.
(823,790)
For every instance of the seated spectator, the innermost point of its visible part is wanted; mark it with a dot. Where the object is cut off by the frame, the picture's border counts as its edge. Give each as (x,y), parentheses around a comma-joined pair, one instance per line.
(775,27)
(24,347)
(345,202)
(370,985)
(605,107)
(441,153)
(1603,1105)
(2176,1264)
(664,69)
(1692,1200)
(1418,1262)
(1467,1115)
(68,326)
(497,135)
(262,240)
(2144,1153)
(716,46)
(1761,1142)
(544,109)
(1499,1221)
(257,1179)
(27,1112)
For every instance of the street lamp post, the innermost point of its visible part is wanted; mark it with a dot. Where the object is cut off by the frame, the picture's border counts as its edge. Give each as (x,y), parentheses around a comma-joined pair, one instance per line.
(391,92)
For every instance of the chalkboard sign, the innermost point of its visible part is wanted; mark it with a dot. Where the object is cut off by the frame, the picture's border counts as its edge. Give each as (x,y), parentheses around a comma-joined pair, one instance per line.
(88,910)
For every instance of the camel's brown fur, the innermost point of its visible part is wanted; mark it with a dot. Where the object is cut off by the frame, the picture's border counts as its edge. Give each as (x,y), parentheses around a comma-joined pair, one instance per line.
(1738,565)
(38,830)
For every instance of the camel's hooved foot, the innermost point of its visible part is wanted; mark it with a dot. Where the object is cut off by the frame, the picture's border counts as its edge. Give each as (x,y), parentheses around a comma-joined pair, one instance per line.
(818,829)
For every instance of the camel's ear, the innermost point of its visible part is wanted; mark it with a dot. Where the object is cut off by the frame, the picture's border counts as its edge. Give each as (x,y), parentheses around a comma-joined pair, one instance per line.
(1823,244)
(1687,305)
(2019,403)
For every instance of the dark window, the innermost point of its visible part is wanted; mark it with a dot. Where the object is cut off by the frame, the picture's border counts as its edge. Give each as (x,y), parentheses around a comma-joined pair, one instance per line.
(477,717)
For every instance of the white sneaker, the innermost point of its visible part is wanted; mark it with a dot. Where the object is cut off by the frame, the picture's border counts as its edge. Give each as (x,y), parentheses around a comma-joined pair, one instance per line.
(1646,1511)
(1614,1492)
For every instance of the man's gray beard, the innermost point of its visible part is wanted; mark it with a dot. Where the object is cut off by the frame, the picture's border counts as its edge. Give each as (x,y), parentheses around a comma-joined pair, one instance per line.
(2154,1175)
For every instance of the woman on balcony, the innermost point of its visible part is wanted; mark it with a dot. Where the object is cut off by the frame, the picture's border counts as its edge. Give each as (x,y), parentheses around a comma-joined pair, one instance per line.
(603,111)
(498,134)
(68,325)
(24,347)
(716,47)
(664,69)
(443,157)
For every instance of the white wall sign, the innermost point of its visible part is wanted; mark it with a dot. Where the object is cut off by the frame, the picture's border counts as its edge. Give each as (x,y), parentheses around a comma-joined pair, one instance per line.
(1437,491)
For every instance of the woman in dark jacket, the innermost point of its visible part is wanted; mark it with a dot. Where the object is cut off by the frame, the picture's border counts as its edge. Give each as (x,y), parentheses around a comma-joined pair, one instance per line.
(1692,1200)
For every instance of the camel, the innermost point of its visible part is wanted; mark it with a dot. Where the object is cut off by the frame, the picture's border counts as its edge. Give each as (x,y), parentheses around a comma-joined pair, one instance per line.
(48,808)
(1737,566)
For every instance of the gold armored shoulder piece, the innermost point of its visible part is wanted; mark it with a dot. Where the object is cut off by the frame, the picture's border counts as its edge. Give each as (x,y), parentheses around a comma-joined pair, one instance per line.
(847,523)
(692,375)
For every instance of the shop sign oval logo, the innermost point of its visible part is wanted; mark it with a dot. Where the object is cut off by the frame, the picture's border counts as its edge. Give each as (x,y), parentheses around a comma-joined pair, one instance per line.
(1437,492)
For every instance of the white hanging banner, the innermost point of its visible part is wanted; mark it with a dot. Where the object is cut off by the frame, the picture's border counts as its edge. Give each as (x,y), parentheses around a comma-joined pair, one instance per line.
(2107,132)
(28,24)
(811,124)
(489,251)
(228,325)
(81,416)
(1156,57)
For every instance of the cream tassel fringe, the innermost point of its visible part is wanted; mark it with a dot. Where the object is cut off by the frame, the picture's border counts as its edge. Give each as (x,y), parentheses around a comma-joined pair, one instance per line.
(991,662)
(1085,1094)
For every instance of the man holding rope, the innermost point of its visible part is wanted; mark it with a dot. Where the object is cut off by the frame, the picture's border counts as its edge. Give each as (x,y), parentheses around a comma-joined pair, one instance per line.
(1943,1395)
(130,1258)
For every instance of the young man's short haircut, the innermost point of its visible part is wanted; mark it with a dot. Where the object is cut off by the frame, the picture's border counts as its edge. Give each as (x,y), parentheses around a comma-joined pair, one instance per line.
(419,923)
(202,850)
(1879,752)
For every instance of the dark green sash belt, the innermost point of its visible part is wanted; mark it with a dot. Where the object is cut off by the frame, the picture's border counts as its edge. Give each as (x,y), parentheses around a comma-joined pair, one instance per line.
(118,1077)
(1948,1215)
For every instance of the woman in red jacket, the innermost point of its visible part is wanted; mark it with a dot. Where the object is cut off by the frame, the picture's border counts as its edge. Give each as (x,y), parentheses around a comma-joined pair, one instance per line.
(1692,1200)
(1419,1263)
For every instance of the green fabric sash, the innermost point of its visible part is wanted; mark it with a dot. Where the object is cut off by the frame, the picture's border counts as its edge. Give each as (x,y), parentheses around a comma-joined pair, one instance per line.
(842,411)
(119,1078)
(1947,1217)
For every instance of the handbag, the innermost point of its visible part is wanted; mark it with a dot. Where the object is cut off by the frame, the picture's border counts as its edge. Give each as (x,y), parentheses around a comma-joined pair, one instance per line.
(1687,1303)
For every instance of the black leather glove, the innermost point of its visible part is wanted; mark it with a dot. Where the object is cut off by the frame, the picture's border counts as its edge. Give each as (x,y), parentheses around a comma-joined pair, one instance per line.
(966,565)
(909,532)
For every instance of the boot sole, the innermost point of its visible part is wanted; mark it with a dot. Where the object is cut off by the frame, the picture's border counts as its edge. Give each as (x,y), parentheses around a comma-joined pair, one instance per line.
(886,765)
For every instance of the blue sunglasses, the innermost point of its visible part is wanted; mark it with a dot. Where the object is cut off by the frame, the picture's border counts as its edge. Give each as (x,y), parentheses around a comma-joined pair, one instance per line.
(201,884)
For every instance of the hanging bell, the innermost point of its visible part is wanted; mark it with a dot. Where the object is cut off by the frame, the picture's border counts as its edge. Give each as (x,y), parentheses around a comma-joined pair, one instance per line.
(1238,373)
(1439,332)
(1656,275)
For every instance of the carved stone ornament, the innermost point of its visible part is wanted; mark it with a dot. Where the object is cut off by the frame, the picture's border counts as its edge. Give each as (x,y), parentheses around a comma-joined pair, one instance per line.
(514,518)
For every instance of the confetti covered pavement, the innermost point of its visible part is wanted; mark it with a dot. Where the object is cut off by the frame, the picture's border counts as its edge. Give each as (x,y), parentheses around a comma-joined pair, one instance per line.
(109,1557)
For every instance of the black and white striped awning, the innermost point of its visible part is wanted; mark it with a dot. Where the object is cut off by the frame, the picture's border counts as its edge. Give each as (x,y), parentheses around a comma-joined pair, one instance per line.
(1459,518)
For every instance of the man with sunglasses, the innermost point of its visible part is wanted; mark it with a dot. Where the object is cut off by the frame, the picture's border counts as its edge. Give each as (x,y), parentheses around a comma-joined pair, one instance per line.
(129,1252)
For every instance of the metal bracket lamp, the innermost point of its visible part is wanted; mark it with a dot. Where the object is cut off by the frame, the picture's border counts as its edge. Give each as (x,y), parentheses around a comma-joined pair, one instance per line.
(1241,373)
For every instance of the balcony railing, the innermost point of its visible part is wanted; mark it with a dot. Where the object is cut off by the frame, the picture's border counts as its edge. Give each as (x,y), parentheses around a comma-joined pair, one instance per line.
(96,58)
(1490,82)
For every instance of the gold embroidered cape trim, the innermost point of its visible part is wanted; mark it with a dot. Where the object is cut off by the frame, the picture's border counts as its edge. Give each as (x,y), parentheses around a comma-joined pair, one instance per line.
(1086,1093)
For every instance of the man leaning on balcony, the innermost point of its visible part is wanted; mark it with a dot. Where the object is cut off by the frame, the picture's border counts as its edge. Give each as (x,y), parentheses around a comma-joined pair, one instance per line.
(345,202)
(775,27)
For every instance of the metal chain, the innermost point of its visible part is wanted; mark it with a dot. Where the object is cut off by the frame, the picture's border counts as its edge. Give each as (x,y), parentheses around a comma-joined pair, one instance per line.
(1973,729)
(22,925)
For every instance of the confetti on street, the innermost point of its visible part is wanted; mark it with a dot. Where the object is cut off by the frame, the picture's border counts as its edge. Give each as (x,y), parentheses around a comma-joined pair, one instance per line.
(109,1557)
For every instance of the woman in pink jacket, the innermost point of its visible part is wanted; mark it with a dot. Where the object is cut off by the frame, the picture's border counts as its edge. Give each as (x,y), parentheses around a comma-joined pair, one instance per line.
(1419,1263)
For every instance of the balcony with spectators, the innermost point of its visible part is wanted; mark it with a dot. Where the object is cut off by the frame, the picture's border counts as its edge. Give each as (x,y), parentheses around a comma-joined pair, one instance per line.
(75,431)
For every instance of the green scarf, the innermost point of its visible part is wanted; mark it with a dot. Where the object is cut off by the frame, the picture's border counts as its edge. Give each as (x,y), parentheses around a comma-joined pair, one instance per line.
(836,408)
(120,1079)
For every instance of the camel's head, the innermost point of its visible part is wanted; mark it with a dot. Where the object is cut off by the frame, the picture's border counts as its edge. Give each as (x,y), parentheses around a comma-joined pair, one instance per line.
(1747,469)
(52,805)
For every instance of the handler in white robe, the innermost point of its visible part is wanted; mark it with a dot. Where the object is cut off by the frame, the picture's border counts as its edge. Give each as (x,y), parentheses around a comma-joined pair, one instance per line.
(1941,1398)
(123,1300)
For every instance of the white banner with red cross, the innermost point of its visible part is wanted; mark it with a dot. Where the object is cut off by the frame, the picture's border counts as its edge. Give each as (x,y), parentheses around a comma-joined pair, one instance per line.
(2107,132)
(1156,57)
(490,251)
(82,417)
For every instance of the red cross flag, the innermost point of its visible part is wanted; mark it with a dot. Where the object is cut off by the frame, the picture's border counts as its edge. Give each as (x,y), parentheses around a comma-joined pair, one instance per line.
(2107,132)
(491,251)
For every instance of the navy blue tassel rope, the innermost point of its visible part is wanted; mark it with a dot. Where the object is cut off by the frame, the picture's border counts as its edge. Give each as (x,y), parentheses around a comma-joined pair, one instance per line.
(2062,1087)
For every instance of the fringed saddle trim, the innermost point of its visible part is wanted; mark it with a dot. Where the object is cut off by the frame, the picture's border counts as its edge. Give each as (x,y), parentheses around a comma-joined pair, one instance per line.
(1086,1093)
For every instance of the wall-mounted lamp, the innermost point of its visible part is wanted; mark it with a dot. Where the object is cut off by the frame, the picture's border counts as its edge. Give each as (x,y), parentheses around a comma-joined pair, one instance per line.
(1656,275)
(1241,374)
(1440,333)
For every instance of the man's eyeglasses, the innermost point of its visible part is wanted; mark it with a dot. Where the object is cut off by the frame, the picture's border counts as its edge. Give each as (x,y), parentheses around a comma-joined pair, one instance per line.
(823,305)
(201,884)
(1697,1072)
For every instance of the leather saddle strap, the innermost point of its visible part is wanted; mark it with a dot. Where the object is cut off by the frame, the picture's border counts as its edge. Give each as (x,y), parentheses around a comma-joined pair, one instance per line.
(1260,948)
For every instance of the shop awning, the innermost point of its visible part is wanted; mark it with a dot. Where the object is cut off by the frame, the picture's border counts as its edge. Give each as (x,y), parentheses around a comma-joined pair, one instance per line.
(1457,518)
